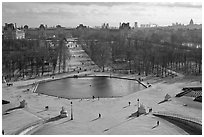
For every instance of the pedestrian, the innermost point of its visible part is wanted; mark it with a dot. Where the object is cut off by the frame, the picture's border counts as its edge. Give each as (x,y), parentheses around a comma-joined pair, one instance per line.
(157,123)
(99,115)
(129,103)
(46,107)
(150,110)
(98,97)
(2,132)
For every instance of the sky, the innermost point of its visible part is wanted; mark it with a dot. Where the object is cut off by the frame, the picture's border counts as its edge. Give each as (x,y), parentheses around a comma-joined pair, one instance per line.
(71,14)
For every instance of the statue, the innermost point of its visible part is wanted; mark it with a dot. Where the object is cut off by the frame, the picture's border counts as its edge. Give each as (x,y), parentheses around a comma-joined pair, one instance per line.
(63,113)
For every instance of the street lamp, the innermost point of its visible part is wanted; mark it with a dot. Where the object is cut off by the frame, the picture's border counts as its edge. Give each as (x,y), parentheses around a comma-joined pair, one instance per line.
(71,112)
(138,107)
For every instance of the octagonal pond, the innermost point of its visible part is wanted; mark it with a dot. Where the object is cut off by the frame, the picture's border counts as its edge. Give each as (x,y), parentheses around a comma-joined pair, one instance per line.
(87,87)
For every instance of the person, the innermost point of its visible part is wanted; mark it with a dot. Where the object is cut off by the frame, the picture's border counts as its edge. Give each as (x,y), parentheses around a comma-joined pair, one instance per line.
(2,132)
(98,97)
(93,97)
(157,123)
(129,103)
(99,115)
(46,107)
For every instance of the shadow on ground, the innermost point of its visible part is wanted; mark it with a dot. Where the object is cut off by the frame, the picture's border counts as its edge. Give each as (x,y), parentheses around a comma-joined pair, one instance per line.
(13,109)
(54,119)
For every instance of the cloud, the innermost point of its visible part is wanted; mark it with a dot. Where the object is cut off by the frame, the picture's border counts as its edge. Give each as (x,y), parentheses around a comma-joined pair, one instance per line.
(96,13)
(181,4)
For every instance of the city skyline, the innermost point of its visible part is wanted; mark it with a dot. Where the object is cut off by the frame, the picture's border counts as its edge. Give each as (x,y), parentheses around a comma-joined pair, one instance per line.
(71,14)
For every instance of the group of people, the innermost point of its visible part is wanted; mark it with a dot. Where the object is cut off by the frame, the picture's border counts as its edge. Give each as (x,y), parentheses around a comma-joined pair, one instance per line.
(94,97)
(9,84)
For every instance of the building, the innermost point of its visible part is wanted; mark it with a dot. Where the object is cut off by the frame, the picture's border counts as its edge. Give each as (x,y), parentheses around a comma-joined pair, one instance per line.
(191,22)
(43,32)
(192,45)
(190,26)
(9,31)
(105,26)
(20,34)
(136,25)
(150,25)
(124,26)
(81,26)
(12,32)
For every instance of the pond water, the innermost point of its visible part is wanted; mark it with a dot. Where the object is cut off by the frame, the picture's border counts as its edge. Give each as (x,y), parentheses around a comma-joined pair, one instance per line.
(87,87)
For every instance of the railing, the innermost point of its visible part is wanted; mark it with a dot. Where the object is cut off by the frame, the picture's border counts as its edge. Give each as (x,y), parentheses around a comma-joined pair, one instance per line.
(188,118)
(187,90)
(36,86)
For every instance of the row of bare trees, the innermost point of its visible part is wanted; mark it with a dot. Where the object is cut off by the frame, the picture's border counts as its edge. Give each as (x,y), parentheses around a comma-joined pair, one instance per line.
(148,52)
(32,58)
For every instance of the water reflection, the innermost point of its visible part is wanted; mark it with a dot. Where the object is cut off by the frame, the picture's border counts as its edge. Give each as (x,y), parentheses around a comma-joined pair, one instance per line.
(101,86)
(88,87)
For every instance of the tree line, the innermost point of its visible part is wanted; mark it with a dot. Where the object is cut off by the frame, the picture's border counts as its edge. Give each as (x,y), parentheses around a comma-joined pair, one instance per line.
(145,51)
(32,58)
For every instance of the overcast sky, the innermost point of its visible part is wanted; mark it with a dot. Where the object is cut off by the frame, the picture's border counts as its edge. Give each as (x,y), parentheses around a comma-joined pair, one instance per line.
(94,14)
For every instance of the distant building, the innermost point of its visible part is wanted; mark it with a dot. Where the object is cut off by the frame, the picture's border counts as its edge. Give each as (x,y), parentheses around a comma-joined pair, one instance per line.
(120,24)
(81,26)
(191,22)
(135,25)
(150,25)
(177,24)
(190,26)
(43,32)
(144,26)
(192,45)
(105,26)
(20,34)
(12,32)
(9,31)
(124,26)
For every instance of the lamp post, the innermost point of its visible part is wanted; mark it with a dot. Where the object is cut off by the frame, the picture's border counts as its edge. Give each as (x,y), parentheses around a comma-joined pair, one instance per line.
(138,107)
(71,112)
